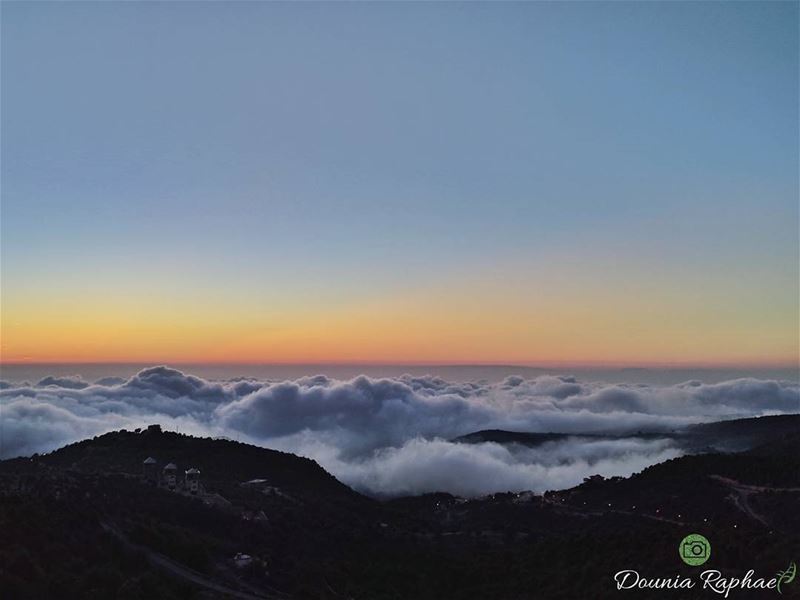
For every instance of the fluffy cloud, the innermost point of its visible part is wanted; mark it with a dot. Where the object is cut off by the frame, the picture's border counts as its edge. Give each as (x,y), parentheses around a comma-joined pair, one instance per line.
(74,383)
(428,465)
(389,436)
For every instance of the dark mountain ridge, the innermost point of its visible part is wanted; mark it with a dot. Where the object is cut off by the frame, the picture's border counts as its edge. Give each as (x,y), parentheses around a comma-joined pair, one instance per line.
(732,435)
(83,522)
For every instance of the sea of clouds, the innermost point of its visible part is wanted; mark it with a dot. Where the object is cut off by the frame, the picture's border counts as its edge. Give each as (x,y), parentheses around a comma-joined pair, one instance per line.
(391,436)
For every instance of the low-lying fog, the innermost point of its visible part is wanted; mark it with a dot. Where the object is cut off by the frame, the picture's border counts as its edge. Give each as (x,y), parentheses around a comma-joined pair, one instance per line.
(390,436)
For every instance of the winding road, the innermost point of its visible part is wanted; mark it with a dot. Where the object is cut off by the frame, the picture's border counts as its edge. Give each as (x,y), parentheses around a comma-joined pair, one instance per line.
(181,571)
(741,493)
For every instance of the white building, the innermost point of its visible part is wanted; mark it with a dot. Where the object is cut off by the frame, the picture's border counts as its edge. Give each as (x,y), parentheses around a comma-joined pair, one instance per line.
(193,480)
(150,469)
(170,475)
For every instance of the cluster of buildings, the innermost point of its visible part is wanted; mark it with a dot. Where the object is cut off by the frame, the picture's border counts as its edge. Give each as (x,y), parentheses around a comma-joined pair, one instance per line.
(168,476)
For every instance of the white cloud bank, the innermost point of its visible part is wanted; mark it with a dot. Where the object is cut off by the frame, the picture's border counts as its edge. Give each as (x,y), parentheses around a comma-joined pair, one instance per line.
(389,436)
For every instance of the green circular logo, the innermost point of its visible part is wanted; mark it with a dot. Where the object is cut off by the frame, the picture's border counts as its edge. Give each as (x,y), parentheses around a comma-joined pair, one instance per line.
(694,549)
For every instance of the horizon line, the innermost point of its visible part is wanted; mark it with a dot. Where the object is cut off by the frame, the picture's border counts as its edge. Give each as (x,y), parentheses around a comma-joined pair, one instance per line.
(661,365)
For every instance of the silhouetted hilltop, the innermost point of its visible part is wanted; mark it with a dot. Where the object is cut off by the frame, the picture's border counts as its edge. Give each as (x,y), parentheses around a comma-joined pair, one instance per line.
(741,434)
(219,460)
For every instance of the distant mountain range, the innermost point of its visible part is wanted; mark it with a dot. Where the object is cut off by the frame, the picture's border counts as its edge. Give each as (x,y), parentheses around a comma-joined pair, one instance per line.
(733,435)
(85,522)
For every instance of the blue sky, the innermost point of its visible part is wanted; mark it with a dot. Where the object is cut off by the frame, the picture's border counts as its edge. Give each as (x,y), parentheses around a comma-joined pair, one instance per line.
(263,154)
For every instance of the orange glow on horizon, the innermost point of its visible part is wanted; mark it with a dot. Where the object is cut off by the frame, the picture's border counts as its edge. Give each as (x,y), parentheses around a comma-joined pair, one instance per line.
(445,325)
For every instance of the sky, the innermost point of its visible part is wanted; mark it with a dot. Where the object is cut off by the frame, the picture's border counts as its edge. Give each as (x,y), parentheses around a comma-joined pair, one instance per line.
(528,183)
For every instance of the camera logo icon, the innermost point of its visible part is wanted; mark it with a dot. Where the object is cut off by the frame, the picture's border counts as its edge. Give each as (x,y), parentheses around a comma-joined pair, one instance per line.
(694,549)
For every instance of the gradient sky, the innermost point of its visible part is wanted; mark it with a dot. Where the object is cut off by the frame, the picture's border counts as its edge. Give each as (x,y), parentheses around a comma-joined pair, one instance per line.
(500,182)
